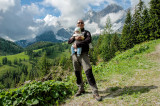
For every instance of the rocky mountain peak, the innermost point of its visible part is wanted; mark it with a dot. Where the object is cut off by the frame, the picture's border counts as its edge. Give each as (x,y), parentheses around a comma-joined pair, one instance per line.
(112,8)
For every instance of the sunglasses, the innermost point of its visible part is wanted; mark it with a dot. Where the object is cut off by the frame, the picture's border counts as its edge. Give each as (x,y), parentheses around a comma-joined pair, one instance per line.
(80,23)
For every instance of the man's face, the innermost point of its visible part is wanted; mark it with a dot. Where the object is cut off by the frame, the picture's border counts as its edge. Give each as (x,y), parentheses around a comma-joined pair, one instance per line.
(80,24)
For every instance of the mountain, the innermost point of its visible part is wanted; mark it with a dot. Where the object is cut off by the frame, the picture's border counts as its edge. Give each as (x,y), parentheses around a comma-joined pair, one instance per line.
(116,13)
(8,47)
(64,34)
(113,8)
(23,43)
(95,22)
(46,36)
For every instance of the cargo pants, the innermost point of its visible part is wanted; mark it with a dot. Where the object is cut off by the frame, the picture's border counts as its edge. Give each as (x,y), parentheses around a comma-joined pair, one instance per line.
(84,61)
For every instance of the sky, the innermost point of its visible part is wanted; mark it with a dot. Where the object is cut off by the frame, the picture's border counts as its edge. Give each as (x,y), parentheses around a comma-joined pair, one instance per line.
(24,19)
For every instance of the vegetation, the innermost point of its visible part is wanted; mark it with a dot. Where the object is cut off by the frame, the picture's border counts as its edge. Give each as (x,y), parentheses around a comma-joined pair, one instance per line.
(8,47)
(37,93)
(39,45)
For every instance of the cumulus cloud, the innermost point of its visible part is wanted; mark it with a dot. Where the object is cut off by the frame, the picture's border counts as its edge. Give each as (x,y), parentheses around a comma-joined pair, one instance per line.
(92,27)
(6,4)
(72,10)
(15,20)
(113,16)
(135,2)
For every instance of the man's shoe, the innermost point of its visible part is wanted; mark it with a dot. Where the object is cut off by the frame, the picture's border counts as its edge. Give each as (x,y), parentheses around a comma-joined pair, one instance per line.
(97,97)
(79,93)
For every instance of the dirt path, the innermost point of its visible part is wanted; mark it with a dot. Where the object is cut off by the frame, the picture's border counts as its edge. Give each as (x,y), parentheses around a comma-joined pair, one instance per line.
(156,54)
(142,89)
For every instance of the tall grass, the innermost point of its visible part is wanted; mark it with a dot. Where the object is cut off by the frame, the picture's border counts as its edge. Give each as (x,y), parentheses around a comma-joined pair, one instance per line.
(127,62)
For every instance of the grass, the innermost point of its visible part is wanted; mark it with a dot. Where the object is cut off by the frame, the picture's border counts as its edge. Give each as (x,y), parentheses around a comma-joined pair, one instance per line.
(16,56)
(131,78)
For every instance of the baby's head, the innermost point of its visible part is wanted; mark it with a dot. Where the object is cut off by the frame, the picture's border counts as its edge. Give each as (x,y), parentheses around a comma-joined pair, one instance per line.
(77,30)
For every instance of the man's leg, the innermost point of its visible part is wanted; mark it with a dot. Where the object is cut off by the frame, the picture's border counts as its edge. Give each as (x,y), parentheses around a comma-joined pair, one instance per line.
(90,77)
(78,73)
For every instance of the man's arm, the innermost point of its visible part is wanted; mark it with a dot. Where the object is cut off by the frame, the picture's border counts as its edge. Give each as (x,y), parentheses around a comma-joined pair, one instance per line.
(71,40)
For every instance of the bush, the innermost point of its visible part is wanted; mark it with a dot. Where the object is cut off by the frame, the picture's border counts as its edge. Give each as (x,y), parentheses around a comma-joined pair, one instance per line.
(37,93)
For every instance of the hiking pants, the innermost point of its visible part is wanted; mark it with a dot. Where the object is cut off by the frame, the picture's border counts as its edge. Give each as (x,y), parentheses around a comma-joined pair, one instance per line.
(84,61)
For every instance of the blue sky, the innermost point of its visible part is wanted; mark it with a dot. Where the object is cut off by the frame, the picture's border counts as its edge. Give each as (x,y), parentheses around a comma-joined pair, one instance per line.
(48,9)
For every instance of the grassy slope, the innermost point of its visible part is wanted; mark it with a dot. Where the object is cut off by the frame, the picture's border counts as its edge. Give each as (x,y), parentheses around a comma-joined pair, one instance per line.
(16,56)
(131,78)
(22,56)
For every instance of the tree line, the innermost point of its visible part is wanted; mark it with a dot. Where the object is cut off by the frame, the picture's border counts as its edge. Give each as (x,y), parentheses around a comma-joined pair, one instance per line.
(143,25)
(8,47)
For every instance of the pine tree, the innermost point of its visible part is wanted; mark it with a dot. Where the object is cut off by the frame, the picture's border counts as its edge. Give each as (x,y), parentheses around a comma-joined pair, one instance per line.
(115,44)
(44,64)
(104,48)
(4,61)
(144,34)
(126,38)
(15,61)
(108,27)
(137,22)
(155,19)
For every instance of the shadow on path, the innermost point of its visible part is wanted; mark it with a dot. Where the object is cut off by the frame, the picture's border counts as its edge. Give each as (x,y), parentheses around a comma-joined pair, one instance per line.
(129,90)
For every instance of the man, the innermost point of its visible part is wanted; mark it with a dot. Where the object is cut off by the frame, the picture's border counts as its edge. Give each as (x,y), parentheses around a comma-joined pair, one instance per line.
(84,61)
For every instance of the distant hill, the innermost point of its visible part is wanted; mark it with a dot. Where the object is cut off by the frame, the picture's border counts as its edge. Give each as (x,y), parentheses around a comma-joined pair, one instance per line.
(8,47)
(39,45)
(46,36)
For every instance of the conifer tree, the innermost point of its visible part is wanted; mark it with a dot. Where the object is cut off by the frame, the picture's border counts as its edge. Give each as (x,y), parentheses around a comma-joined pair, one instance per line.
(126,38)
(137,22)
(144,34)
(108,27)
(155,19)
(105,43)
(44,64)
(4,61)
(115,45)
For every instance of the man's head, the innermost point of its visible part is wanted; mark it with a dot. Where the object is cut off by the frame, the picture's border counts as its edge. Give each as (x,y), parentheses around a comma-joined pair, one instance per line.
(80,23)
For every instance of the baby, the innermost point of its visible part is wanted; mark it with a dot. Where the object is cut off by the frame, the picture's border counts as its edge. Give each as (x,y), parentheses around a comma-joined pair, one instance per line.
(77,32)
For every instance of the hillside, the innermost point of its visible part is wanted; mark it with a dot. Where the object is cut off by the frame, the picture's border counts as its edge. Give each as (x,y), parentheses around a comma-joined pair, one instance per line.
(131,78)
(8,47)
(39,45)
(28,65)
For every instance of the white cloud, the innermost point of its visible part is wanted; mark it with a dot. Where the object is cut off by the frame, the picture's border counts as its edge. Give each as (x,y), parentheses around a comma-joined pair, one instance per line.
(92,27)
(135,2)
(51,20)
(113,16)
(72,10)
(16,20)
(6,4)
